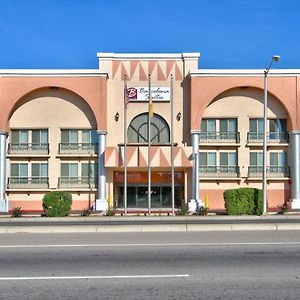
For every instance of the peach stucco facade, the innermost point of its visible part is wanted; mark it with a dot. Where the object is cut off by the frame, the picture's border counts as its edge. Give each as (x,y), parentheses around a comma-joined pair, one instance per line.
(77,117)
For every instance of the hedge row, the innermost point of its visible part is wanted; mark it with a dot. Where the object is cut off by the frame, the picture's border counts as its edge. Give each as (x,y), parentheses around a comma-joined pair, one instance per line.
(243,201)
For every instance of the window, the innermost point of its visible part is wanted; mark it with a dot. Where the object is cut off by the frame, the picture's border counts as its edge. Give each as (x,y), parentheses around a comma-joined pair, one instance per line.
(39,136)
(69,170)
(256,125)
(222,125)
(219,130)
(19,170)
(228,159)
(29,141)
(208,125)
(208,162)
(278,163)
(277,125)
(69,136)
(82,141)
(276,129)
(256,159)
(278,159)
(89,170)
(138,130)
(89,136)
(39,170)
(19,136)
(228,125)
(228,162)
(208,158)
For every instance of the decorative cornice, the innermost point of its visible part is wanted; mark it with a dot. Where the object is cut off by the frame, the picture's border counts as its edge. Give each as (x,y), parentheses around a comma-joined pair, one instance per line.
(244,72)
(53,72)
(147,56)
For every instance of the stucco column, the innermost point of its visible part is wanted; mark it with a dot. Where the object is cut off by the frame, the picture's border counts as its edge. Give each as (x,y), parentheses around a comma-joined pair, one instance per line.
(3,202)
(195,179)
(101,202)
(295,168)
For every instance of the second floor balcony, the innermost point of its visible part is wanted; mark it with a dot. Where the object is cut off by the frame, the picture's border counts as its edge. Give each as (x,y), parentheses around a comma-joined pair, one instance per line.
(272,171)
(77,182)
(77,149)
(26,183)
(28,149)
(219,137)
(219,172)
(272,137)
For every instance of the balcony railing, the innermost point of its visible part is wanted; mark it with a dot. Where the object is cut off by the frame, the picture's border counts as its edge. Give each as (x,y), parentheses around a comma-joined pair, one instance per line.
(28,183)
(219,171)
(219,137)
(77,148)
(25,148)
(77,182)
(272,171)
(272,137)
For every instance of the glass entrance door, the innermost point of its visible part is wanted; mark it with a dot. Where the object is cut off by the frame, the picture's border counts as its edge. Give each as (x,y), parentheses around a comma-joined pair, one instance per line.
(142,197)
(161,196)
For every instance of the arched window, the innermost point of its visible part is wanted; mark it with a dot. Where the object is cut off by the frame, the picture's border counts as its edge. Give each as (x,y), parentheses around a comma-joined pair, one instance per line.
(138,130)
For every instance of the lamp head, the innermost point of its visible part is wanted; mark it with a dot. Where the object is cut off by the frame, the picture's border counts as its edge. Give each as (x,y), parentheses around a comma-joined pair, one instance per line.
(276,58)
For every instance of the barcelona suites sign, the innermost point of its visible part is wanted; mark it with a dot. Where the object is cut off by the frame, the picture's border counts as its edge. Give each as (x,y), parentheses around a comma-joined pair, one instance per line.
(141,94)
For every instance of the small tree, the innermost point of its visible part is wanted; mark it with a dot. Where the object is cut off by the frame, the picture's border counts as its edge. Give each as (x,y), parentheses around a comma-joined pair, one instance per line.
(57,204)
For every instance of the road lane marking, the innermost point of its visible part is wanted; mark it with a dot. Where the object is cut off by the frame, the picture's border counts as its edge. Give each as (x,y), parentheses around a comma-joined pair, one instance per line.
(94,277)
(151,245)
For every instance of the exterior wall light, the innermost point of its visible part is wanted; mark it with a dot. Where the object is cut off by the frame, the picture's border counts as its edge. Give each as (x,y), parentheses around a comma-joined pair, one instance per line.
(117,116)
(178,116)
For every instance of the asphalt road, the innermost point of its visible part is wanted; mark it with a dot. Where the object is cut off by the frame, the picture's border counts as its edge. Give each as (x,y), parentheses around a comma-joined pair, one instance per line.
(206,265)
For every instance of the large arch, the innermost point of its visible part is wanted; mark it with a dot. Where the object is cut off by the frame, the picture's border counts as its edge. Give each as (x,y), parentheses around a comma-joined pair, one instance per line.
(248,102)
(92,90)
(205,89)
(51,103)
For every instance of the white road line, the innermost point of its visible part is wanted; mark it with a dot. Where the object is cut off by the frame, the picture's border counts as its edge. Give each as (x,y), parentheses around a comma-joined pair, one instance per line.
(94,277)
(151,245)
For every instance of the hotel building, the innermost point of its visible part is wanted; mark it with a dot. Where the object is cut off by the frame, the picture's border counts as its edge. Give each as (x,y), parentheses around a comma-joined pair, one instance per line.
(64,130)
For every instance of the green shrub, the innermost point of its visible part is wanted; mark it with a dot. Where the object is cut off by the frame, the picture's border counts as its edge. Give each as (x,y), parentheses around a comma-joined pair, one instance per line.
(57,204)
(16,212)
(86,212)
(110,212)
(183,210)
(243,201)
(283,209)
(201,211)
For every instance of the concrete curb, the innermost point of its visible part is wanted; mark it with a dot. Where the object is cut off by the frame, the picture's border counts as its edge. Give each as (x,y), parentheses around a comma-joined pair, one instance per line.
(147,228)
(124,219)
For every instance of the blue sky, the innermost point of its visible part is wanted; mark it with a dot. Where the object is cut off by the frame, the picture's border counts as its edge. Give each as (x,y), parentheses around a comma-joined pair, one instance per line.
(230,34)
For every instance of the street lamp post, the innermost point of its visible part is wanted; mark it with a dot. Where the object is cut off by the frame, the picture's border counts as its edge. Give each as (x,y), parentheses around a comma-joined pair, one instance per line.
(275,58)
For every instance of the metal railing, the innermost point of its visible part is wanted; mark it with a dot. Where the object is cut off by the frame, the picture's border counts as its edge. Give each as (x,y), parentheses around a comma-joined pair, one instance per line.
(219,137)
(272,171)
(77,148)
(28,183)
(219,171)
(28,148)
(77,182)
(272,137)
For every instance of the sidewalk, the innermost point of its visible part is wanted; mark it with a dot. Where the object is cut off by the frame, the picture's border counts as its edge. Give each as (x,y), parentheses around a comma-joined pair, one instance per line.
(104,224)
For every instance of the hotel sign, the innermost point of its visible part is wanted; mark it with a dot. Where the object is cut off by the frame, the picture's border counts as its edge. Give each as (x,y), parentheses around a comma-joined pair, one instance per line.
(142,94)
